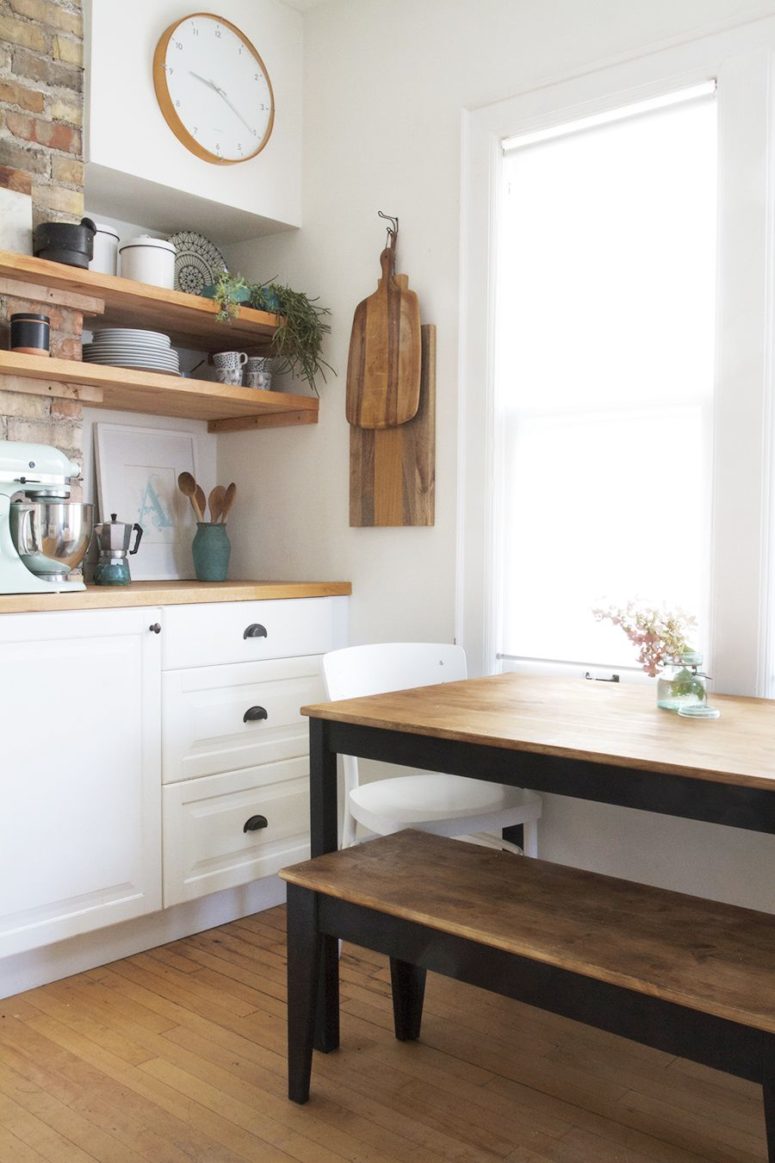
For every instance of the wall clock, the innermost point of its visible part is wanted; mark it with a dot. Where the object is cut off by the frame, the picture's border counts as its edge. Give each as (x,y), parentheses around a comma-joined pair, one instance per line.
(213,89)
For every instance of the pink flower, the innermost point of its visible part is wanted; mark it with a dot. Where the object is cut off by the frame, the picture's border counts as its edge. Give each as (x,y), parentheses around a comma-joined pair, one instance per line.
(659,634)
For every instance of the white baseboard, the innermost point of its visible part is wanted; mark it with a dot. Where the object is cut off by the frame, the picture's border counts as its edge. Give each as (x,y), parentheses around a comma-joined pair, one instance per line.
(24,971)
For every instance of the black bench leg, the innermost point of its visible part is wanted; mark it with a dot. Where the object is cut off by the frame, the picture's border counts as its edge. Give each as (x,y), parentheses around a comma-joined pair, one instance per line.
(303,945)
(408,984)
(327,1013)
(768,1093)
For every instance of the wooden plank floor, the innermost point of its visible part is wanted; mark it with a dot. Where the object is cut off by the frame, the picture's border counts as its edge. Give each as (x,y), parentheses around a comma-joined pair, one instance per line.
(177,1056)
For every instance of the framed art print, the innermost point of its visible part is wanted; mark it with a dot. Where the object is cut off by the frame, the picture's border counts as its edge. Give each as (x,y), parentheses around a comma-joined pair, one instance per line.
(137,479)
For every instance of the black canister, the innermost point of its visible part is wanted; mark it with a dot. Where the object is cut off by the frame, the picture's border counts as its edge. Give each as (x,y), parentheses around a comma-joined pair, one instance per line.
(67,242)
(30,333)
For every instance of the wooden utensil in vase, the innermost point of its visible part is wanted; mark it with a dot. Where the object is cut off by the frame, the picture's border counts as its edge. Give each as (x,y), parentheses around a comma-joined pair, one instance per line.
(188,488)
(228,501)
(201,502)
(215,500)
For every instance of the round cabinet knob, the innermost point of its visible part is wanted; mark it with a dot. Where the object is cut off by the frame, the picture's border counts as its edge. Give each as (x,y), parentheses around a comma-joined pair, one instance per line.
(155,628)
(255,823)
(253,714)
(255,630)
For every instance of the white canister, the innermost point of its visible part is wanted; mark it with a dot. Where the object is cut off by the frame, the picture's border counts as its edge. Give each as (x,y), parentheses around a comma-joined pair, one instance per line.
(105,257)
(149,260)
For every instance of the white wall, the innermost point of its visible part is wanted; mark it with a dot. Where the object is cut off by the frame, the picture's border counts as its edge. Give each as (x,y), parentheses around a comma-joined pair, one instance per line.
(385,87)
(138,170)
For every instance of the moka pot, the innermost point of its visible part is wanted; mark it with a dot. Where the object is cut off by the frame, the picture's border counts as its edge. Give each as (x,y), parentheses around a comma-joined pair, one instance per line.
(113,539)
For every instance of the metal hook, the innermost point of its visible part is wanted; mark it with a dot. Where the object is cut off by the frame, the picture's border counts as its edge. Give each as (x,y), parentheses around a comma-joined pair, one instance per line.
(392,231)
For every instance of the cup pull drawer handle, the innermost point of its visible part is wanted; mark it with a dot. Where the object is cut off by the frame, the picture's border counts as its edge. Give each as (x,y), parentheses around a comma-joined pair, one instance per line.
(252,714)
(255,630)
(255,823)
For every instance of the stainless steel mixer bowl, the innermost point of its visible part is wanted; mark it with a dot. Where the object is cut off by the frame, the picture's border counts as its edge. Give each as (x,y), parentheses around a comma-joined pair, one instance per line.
(51,537)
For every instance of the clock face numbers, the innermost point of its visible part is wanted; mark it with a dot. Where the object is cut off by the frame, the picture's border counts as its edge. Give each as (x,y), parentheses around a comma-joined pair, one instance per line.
(215,91)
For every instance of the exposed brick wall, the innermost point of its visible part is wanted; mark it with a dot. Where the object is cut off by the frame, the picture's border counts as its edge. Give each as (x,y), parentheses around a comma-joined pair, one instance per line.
(41,153)
(41,102)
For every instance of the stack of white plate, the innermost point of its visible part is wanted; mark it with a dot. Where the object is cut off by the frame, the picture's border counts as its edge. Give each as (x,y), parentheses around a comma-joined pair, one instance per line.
(128,347)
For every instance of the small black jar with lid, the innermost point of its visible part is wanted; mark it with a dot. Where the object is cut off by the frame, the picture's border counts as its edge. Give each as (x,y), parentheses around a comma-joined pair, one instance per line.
(30,333)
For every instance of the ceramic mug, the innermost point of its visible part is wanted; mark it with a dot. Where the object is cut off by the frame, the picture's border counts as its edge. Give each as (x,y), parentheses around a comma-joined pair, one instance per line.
(228,375)
(258,372)
(258,363)
(234,360)
(259,380)
(228,366)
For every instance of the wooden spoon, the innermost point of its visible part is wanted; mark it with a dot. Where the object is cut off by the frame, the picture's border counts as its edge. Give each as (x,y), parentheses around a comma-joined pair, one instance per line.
(216,499)
(228,501)
(188,487)
(201,501)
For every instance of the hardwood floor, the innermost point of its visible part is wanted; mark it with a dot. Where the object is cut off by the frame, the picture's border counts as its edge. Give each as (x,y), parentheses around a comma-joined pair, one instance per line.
(177,1056)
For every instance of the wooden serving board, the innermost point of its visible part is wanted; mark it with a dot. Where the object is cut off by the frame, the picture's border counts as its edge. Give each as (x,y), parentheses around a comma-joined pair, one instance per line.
(383,365)
(392,470)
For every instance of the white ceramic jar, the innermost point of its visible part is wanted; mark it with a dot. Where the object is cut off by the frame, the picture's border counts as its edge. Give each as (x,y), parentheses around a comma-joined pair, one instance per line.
(105,259)
(149,260)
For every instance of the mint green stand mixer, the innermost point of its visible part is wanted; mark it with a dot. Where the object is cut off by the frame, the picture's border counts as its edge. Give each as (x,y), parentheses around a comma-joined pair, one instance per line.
(43,535)
(113,537)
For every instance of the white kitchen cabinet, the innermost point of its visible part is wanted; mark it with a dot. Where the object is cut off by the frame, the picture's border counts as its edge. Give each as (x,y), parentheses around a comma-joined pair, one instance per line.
(217,633)
(80,828)
(226,830)
(221,718)
(235,748)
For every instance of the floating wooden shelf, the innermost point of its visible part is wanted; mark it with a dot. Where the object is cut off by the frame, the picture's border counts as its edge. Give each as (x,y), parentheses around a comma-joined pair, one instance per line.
(189,320)
(225,408)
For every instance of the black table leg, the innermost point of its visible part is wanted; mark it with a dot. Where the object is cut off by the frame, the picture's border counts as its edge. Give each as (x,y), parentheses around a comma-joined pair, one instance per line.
(324,838)
(323,798)
(515,834)
(408,985)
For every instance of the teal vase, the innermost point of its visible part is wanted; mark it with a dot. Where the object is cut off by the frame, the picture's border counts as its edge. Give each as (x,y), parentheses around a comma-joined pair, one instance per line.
(210,550)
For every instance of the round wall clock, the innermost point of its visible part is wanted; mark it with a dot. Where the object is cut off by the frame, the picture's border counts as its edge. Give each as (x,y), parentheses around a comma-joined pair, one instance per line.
(213,89)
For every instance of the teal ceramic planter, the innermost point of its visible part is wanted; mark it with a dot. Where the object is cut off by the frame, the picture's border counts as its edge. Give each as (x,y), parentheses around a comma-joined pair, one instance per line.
(210,549)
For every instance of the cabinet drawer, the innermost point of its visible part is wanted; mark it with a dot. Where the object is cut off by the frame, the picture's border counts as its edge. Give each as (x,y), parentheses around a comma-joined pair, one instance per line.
(223,632)
(221,718)
(205,845)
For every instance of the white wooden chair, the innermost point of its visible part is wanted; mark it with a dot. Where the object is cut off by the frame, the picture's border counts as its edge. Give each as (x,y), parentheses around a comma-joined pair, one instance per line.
(449,805)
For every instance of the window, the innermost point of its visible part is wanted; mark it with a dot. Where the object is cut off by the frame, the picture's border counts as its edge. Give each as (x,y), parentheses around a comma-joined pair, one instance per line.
(570,393)
(606,250)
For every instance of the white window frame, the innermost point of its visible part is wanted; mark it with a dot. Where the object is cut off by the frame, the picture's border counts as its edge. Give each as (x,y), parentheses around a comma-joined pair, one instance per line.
(742,62)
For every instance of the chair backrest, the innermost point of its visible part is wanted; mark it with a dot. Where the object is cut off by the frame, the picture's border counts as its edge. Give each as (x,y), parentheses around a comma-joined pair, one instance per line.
(386,666)
(390,666)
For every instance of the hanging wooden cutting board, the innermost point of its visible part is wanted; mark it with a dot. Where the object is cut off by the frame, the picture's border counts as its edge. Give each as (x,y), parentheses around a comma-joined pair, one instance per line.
(383,367)
(392,470)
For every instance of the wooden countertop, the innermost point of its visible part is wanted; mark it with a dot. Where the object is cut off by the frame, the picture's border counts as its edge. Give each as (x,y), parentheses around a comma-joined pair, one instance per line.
(168,593)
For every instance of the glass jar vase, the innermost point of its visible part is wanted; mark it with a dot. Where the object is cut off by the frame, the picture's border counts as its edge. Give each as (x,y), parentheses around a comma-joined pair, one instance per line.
(682,684)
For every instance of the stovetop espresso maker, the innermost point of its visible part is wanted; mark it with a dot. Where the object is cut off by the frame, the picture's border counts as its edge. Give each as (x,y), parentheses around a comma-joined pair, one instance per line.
(113,539)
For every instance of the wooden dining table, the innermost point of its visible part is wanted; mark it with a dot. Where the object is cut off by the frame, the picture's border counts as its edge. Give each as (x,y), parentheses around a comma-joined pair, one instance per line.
(597,741)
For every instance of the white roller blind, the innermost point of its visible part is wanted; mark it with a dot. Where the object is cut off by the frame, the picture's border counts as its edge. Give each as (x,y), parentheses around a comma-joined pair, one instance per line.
(606,257)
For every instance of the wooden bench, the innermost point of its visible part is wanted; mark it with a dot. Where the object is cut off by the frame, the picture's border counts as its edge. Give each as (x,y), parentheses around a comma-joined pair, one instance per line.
(693,977)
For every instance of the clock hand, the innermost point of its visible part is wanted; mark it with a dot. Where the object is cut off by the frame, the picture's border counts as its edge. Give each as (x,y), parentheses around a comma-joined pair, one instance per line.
(210,84)
(222,93)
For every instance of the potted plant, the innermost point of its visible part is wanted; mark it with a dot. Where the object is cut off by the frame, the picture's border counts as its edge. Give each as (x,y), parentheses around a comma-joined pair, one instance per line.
(664,651)
(298,338)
